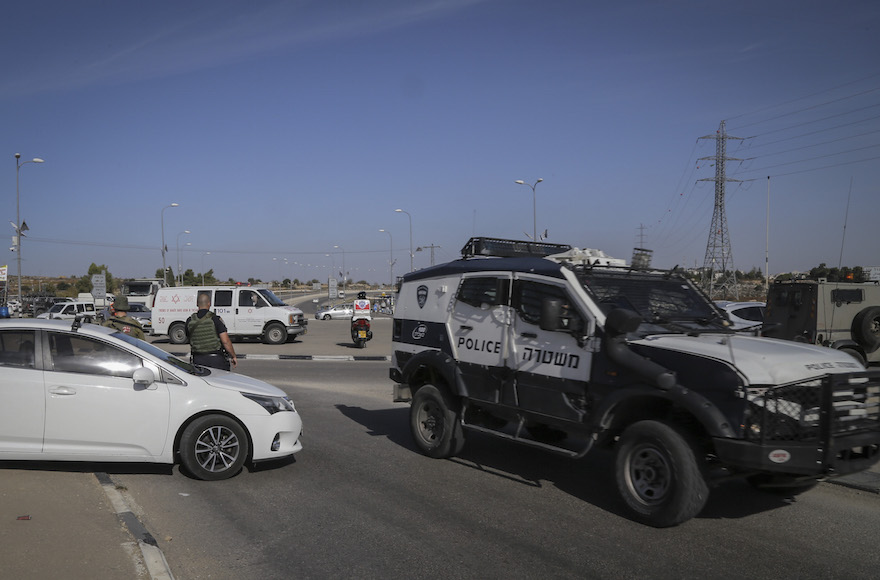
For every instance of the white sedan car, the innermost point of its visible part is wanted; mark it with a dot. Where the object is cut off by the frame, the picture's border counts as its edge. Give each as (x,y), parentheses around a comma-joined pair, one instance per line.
(90,393)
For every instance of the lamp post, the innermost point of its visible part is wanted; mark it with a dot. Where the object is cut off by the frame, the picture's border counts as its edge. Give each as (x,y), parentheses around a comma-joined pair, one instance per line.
(179,276)
(203,266)
(165,249)
(19,227)
(534,206)
(390,259)
(344,273)
(410,238)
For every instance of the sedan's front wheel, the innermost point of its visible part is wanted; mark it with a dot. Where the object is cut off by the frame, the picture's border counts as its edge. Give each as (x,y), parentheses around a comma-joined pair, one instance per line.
(213,447)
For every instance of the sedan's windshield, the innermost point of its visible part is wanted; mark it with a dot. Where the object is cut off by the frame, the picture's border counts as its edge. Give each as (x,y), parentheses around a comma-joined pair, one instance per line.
(659,299)
(161,354)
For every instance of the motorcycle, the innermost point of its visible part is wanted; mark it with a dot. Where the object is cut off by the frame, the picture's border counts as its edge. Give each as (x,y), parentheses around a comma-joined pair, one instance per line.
(360,331)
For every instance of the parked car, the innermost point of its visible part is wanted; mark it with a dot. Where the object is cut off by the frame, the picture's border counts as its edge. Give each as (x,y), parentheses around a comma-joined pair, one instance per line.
(743,314)
(338,311)
(91,393)
(67,310)
(137,311)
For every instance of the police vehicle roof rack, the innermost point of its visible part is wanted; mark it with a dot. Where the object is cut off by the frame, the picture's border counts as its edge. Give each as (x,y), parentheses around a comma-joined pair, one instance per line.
(499,248)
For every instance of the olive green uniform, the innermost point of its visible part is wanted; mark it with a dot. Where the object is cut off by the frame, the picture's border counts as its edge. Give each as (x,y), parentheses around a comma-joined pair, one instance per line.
(126,324)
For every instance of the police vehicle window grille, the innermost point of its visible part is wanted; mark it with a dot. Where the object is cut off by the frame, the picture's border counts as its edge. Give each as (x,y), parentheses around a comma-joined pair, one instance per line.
(529,297)
(652,297)
(479,291)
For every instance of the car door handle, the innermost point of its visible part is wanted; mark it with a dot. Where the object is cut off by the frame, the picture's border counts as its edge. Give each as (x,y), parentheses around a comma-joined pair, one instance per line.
(529,335)
(463,327)
(62,391)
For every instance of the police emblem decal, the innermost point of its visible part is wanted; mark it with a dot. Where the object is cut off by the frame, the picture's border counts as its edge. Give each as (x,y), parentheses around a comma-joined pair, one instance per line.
(422,295)
(420,331)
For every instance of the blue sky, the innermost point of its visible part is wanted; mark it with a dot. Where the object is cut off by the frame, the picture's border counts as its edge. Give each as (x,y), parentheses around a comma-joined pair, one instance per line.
(285,129)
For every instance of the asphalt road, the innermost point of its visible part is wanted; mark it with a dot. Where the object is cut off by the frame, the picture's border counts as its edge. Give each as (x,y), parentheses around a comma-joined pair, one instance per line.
(360,502)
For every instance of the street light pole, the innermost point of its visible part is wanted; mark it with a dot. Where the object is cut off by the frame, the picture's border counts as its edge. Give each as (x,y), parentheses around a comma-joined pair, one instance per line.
(344,273)
(164,249)
(390,259)
(534,206)
(179,276)
(18,226)
(203,266)
(410,238)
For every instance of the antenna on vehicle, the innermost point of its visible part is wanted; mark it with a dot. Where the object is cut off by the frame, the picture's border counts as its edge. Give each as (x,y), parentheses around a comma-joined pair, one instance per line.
(76,324)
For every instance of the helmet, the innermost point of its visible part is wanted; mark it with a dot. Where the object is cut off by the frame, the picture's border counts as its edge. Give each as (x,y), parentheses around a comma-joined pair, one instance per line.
(362,295)
(120,304)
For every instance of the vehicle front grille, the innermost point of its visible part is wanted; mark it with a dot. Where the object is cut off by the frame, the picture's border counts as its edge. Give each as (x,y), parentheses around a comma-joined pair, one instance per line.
(837,404)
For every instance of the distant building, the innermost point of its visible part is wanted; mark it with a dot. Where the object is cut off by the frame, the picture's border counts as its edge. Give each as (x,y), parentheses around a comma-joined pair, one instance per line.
(872,273)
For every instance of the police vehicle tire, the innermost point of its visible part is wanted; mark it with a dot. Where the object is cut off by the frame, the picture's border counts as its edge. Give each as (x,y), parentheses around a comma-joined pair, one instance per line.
(213,447)
(275,334)
(855,354)
(866,328)
(177,333)
(658,476)
(435,423)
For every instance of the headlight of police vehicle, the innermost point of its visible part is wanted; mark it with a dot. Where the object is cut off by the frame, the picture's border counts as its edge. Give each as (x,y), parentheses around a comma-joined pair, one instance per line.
(272,404)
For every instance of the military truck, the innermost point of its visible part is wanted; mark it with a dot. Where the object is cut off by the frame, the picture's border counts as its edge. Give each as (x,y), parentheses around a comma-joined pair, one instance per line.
(841,315)
(567,350)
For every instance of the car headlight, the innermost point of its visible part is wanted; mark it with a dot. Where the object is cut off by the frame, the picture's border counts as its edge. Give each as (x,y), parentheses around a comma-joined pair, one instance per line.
(272,404)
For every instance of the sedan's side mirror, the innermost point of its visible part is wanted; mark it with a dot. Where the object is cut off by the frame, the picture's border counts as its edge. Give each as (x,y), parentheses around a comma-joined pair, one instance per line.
(144,378)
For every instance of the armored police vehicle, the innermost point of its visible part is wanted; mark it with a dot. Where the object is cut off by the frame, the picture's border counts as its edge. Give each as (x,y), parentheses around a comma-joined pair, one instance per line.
(566,350)
(841,315)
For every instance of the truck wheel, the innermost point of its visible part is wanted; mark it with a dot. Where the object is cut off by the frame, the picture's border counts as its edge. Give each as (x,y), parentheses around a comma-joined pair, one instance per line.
(435,423)
(177,333)
(658,475)
(275,334)
(866,328)
(213,447)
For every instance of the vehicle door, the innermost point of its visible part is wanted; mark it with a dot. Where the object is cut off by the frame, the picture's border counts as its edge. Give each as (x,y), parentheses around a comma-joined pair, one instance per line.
(248,316)
(93,407)
(478,326)
(552,366)
(22,408)
(222,306)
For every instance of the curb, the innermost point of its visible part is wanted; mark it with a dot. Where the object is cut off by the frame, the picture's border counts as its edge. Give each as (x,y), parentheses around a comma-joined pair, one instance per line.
(154,558)
(341,357)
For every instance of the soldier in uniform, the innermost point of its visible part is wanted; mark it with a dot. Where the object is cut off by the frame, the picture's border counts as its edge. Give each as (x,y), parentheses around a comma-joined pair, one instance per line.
(121,321)
(208,338)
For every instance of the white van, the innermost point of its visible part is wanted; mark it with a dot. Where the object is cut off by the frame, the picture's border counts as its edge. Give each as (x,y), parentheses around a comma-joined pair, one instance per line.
(245,311)
(68,310)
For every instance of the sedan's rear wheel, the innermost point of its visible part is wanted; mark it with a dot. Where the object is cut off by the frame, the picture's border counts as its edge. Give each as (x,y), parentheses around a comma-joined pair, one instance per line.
(213,447)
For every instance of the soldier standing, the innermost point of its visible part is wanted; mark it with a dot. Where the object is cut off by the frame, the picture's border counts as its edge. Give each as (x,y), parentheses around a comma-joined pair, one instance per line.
(121,321)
